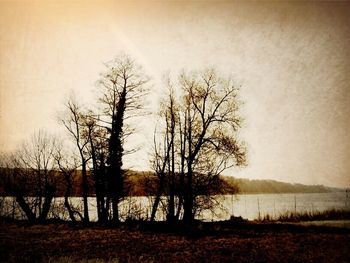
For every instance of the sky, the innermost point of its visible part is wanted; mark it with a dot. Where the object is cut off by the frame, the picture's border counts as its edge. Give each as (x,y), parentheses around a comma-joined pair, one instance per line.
(291,59)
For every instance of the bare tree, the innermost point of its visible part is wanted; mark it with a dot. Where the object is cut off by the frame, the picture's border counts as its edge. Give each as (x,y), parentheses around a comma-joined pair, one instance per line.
(122,92)
(68,168)
(211,113)
(164,156)
(98,148)
(33,180)
(75,123)
(159,163)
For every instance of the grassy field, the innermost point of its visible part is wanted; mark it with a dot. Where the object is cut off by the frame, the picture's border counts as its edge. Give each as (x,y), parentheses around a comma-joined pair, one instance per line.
(205,242)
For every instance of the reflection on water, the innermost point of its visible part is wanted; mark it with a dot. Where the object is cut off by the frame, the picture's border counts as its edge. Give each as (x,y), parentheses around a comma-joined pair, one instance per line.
(251,206)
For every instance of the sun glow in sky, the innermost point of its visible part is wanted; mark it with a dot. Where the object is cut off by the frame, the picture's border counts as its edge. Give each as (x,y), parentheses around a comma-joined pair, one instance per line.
(291,59)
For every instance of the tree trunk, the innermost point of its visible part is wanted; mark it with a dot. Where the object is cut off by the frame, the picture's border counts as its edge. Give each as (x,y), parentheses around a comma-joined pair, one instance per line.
(116,182)
(66,197)
(85,187)
(171,212)
(69,208)
(50,190)
(188,205)
(25,207)
(158,196)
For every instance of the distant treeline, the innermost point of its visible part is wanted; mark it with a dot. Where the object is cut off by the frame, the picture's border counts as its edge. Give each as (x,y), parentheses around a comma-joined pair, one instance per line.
(244,186)
(145,183)
(274,187)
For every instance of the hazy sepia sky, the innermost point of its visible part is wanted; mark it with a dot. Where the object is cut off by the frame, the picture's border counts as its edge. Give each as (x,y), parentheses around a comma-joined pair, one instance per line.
(291,58)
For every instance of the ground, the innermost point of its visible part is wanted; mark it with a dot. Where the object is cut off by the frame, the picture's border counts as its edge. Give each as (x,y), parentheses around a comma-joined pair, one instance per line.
(211,242)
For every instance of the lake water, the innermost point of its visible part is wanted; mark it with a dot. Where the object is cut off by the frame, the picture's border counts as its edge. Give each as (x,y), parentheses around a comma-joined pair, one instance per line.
(250,206)
(259,205)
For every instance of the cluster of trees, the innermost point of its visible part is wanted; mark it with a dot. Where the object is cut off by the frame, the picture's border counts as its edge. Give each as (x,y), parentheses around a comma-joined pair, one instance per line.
(195,141)
(198,142)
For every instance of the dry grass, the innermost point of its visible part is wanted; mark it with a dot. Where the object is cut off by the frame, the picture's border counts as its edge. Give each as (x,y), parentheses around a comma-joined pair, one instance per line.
(209,242)
(332,214)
